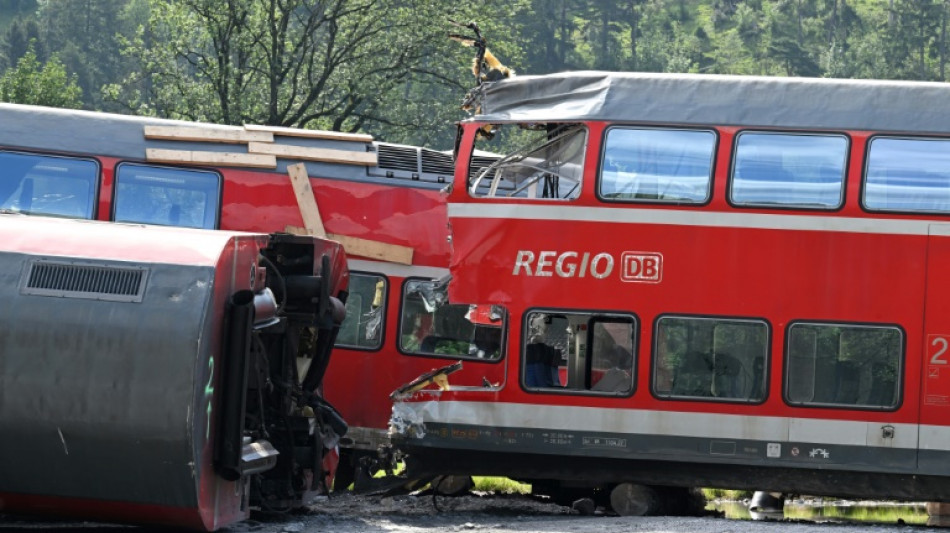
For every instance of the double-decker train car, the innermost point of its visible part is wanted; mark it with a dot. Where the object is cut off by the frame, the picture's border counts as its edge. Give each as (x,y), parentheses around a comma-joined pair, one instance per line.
(163,375)
(711,281)
(100,166)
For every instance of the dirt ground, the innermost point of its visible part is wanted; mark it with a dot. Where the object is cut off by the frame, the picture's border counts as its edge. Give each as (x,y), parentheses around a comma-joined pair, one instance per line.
(503,514)
(424,513)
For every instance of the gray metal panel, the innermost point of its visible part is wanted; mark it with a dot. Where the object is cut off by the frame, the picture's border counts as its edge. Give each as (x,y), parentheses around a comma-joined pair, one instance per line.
(99,395)
(810,103)
(699,450)
(106,134)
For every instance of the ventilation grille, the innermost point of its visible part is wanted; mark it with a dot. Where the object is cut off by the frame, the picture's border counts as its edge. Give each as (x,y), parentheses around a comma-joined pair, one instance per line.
(412,163)
(398,158)
(84,280)
(437,163)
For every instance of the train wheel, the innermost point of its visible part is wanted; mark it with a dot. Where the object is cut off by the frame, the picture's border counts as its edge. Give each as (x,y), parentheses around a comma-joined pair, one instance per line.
(630,499)
(452,485)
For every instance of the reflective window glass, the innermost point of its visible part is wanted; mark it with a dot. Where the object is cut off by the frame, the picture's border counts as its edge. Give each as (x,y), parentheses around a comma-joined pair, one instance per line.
(167,196)
(710,358)
(48,185)
(908,175)
(795,170)
(365,312)
(843,365)
(656,165)
(579,352)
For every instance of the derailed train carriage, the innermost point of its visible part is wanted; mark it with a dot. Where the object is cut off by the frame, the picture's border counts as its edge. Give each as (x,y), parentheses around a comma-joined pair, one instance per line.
(164,375)
(758,262)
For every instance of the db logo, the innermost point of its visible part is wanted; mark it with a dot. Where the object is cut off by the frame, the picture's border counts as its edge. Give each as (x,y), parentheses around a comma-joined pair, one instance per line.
(644,267)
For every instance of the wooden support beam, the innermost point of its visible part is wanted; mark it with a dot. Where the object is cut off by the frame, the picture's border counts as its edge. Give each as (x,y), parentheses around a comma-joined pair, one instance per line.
(325,155)
(311,134)
(306,201)
(230,134)
(369,249)
(227,159)
(313,224)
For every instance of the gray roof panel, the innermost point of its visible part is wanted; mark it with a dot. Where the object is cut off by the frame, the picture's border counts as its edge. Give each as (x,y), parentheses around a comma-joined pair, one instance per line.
(702,99)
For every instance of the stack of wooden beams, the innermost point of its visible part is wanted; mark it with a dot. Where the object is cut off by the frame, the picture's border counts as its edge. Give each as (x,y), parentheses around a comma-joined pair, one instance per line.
(261,149)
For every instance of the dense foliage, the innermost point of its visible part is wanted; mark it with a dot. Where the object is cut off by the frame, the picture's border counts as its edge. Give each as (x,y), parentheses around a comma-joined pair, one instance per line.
(386,67)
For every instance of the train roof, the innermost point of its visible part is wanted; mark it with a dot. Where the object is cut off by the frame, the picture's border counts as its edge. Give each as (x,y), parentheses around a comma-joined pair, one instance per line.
(29,127)
(722,100)
(56,237)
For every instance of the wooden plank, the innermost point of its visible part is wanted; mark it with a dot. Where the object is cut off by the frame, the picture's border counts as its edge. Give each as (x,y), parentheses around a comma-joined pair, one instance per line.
(325,155)
(232,135)
(382,251)
(225,159)
(306,201)
(311,134)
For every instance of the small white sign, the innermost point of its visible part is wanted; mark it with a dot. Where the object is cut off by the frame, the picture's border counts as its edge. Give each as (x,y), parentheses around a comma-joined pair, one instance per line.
(773,449)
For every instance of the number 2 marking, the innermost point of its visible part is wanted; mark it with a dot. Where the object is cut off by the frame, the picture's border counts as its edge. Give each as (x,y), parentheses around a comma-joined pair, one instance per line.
(942,344)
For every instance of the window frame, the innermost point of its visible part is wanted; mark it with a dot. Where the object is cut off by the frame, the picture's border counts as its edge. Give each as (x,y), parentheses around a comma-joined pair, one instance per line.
(730,179)
(603,157)
(385,313)
(901,367)
(766,367)
(862,193)
(97,179)
(502,349)
(471,179)
(620,317)
(219,199)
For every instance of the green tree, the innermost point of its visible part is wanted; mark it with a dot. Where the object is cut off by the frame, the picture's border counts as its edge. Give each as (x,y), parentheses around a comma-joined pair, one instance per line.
(19,37)
(344,65)
(84,35)
(31,82)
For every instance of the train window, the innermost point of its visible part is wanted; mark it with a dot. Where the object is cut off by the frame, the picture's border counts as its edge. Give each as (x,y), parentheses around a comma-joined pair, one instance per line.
(793,170)
(167,196)
(541,162)
(432,326)
(843,365)
(710,358)
(579,352)
(365,312)
(908,175)
(48,185)
(656,165)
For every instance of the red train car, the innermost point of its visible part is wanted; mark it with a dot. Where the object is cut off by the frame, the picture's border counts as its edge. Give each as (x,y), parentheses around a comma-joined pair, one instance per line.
(711,280)
(85,165)
(149,374)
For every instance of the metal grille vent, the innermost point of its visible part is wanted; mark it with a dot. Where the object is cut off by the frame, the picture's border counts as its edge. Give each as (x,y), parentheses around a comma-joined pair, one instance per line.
(437,163)
(85,280)
(398,158)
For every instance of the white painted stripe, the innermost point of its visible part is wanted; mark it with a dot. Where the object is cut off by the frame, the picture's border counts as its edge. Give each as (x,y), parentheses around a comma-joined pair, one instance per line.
(681,217)
(675,424)
(395,269)
(934,437)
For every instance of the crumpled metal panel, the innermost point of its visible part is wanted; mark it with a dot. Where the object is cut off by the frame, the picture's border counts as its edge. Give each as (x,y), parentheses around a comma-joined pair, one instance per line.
(722,100)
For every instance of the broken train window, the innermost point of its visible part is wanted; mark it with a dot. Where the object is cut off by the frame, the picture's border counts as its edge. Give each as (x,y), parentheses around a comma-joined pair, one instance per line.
(534,161)
(432,326)
(365,310)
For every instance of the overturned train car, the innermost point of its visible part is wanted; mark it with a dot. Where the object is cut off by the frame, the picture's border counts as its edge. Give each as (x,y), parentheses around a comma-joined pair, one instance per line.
(164,375)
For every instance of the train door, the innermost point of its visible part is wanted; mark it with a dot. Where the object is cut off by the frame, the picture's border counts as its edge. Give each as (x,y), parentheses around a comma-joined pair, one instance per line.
(934,435)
